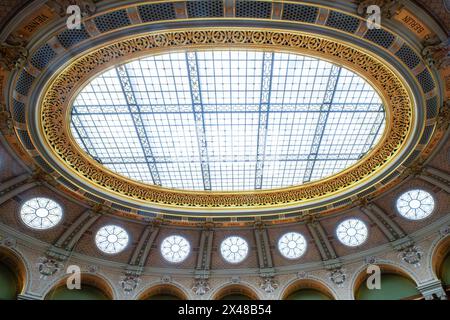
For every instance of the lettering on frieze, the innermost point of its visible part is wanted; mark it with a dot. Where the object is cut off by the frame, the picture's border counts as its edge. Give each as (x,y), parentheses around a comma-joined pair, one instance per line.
(36,22)
(413,24)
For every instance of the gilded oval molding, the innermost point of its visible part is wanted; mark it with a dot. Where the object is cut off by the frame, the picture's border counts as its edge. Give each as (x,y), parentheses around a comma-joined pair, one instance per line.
(55,104)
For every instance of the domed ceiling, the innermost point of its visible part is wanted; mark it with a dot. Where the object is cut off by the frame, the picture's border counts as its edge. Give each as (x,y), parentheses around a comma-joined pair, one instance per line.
(262,144)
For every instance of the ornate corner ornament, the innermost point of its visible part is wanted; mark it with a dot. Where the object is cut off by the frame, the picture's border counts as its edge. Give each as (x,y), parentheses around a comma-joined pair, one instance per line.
(268,284)
(412,255)
(338,276)
(129,283)
(55,107)
(47,267)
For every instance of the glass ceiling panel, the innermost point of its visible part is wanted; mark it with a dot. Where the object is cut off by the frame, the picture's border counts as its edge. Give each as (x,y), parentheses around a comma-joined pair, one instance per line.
(227,120)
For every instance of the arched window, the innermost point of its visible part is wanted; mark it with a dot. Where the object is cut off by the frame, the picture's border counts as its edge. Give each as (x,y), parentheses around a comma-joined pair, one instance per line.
(87,292)
(163,292)
(12,275)
(393,286)
(308,294)
(8,283)
(445,271)
(92,288)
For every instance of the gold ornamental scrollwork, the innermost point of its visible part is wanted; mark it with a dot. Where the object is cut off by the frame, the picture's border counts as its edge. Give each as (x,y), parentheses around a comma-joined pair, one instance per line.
(55,110)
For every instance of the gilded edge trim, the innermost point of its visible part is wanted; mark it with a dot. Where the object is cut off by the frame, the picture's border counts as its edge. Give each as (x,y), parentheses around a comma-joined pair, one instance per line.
(55,104)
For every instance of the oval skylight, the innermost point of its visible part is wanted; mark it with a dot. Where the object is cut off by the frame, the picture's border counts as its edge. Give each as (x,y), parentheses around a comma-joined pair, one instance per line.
(227,120)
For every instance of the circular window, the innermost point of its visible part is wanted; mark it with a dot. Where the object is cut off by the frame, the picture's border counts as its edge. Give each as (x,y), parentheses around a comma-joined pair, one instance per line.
(111,239)
(415,204)
(298,89)
(292,245)
(352,232)
(175,249)
(234,249)
(41,213)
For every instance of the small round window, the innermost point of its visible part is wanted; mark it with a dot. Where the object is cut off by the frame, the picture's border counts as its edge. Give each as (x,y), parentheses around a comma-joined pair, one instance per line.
(41,213)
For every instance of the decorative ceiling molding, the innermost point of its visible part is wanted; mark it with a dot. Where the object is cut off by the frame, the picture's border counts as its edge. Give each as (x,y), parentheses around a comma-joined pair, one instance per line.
(114,23)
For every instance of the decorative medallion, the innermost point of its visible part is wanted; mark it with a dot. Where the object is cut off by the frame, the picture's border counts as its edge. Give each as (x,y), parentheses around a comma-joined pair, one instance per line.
(235,279)
(412,255)
(268,284)
(8,241)
(48,267)
(12,55)
(338,276)
(129,283)
(371,260)
(444,231)
(200,287)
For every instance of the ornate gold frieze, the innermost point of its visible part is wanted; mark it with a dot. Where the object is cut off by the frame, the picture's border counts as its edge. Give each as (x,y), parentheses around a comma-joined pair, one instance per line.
(56,104)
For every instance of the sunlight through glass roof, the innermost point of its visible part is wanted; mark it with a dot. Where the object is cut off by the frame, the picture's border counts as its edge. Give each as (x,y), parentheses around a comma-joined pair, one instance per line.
(227,120)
